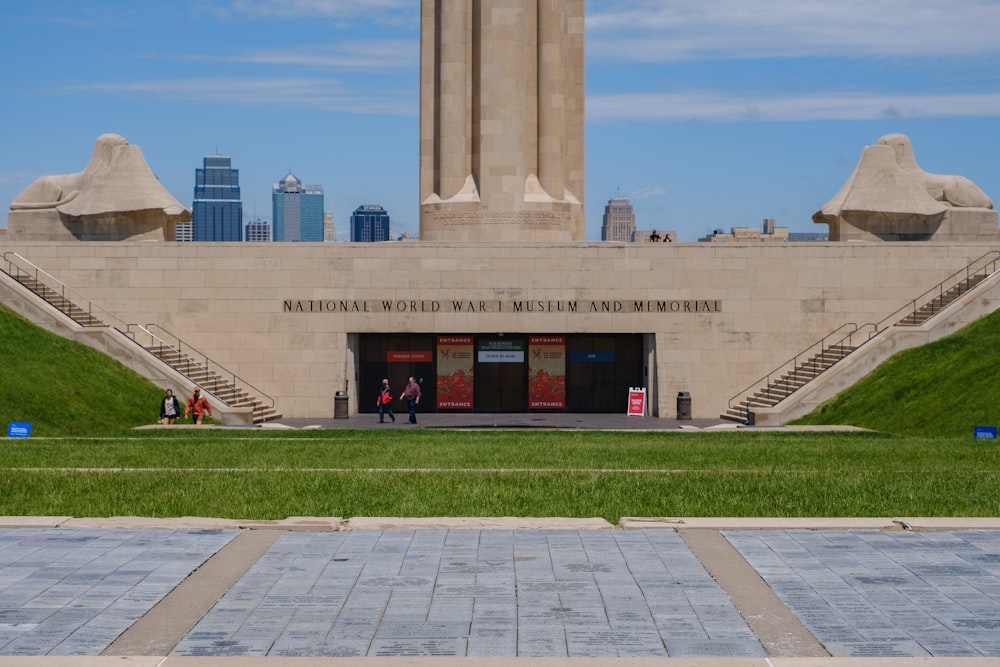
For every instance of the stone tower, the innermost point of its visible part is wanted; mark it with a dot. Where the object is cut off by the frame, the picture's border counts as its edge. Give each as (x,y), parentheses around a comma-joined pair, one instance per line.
(501,120)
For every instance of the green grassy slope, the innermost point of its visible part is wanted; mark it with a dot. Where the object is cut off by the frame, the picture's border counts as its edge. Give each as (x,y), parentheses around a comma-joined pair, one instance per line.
(65,388)
(943,388)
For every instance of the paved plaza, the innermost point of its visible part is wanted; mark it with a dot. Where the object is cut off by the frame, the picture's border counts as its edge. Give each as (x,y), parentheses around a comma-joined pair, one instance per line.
(680,590)
(475,593)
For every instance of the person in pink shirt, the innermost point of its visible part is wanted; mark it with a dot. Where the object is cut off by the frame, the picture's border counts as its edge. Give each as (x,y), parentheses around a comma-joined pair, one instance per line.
(412,395)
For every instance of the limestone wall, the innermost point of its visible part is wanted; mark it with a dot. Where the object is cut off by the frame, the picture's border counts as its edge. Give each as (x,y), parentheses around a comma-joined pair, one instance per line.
(279,315)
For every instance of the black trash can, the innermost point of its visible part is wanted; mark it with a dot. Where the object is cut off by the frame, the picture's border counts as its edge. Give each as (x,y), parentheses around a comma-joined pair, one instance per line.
(340,405)
(684,405)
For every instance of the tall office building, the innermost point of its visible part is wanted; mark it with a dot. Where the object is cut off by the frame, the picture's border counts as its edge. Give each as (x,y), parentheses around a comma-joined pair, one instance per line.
(297,210)
(329,230)
(619,221)
(369,223)
(217,212)
(182,232)
(258,231)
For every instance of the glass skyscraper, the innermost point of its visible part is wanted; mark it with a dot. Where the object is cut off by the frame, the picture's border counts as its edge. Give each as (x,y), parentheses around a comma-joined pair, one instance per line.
(369,223)
(297,210)
(217,212)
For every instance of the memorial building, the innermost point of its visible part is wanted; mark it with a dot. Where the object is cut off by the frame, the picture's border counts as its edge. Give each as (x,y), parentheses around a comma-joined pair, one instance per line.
(502,306)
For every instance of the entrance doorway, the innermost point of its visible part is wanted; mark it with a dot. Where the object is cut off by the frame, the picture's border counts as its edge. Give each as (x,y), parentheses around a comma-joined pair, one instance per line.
(501,379)
(494,373)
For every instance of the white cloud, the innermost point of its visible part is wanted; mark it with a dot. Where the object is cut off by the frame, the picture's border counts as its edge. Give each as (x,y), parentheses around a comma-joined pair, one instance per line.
(828,106)
(316,93)
(386,54)
(655,31)
(649,192)
(331,95)
(295,9)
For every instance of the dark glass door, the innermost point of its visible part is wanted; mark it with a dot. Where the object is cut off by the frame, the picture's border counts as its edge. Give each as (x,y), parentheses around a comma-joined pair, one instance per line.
(501,383)
(600,371)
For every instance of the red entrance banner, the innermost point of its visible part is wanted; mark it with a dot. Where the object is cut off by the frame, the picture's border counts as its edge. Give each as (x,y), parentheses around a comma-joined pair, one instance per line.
(454,372)
(546,372)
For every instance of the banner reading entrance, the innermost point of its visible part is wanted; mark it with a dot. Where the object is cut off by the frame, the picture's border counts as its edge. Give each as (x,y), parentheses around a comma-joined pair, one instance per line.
(547,373)
(454,373)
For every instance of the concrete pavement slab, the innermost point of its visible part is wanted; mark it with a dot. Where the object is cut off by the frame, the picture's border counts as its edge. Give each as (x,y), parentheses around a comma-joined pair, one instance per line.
(504,523)
(73,591)
(32,521)
(488,662)
(866,593)
(873,593)
(580,592)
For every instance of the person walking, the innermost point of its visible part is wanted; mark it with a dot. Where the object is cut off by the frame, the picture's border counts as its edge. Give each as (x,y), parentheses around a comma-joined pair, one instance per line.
(170,408)
(198,406)
(412,395)
(384,403)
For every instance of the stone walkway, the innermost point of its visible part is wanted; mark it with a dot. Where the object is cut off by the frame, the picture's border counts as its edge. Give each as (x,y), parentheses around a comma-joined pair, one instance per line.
(685,591)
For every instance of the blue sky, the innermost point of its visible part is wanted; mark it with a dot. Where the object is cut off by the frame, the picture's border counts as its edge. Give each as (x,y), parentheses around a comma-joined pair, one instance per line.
(708,114)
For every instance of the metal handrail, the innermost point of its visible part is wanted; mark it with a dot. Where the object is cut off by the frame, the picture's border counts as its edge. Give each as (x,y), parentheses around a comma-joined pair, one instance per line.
(200,361)
(810,352)
(63,290)
(988,261)
(24,266)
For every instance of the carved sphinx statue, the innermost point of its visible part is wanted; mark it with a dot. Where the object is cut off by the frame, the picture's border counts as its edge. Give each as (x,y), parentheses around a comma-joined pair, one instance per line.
(889,197)
(115,198)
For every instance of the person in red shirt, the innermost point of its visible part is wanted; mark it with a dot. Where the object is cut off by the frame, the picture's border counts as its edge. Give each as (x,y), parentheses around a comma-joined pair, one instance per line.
(198,406)
(384,403)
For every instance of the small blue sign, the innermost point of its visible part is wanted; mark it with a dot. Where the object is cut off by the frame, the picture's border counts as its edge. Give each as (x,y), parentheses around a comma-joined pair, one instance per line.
(986,433)
(579,357)
(19,429)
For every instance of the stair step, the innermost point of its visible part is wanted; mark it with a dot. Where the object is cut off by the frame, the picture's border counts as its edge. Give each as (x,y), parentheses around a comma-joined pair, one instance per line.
(774,392)
(225,391)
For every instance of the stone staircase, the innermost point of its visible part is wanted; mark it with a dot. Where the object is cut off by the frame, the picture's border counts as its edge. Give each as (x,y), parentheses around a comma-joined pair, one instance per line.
(229,391)
(58,301)
(940,302)
(794,374)
(222,384)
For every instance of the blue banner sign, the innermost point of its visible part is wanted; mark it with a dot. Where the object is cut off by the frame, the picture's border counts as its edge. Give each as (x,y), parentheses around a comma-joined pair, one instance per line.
(19,429)
(986,433)
(592,357)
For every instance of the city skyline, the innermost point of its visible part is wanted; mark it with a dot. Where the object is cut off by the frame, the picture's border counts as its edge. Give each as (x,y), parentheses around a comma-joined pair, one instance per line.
(705,115)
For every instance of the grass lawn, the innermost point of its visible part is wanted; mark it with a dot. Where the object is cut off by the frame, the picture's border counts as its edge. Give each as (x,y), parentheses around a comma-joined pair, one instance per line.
(272,475)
